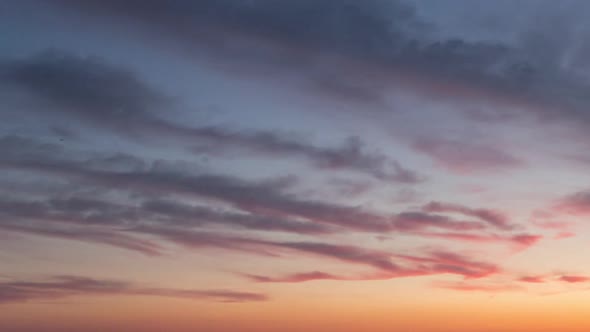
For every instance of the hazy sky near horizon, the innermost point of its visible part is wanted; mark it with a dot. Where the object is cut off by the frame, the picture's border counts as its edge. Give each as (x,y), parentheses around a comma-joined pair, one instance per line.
(312,165)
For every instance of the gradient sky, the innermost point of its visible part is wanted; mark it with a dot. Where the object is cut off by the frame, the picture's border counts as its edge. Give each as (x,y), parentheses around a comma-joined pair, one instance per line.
(294,165)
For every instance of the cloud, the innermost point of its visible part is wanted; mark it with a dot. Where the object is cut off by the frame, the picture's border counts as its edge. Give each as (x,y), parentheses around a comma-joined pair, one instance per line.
(449,262)
(88,234)
(470,287)
(352,51)
(545,220)
(389,265)
(318,275)
(113,98)
(385,38)
(576,204)
(563,235)
(431,263)
(570,279)
(86,220)
(494,218)
(57,287)
(526,239)
(380,260)
(74,210)
(434,263)
(416,221)
(347,27)
(521,241)
(349,188)
(202,239)
(296,277)
(175,213)
(350,156)
(87,89)
(257,205)
(466,157)
(533,279)
(141,221)
(101,221)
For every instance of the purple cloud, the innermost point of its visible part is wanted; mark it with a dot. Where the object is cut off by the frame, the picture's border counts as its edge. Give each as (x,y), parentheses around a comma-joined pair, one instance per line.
(466,157)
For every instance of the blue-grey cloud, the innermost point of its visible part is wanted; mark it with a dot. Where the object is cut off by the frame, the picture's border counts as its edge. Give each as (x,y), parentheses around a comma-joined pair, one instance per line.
(112,98)
(385,38)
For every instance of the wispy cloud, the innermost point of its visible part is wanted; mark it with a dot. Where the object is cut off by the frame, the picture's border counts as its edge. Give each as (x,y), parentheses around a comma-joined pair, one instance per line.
(555,278)
(492,217)
(574,278)
(57,287)
(478,287)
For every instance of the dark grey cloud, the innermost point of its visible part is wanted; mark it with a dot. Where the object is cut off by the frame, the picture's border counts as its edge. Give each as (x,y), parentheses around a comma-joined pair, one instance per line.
(113,98)
(389,39)
(58,287)
(345,26)
(87,89)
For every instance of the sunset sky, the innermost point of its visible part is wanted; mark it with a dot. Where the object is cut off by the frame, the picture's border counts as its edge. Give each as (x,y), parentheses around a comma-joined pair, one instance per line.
(294,165)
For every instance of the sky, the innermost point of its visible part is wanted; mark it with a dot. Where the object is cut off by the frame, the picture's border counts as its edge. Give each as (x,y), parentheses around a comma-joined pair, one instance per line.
(310,165)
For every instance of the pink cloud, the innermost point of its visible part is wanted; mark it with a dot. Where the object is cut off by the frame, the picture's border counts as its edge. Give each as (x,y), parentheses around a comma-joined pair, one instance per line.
(575,204)
(574,278)
(563,235)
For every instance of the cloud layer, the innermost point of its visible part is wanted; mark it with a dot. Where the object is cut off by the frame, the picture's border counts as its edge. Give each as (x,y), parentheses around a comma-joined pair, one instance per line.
(280,131)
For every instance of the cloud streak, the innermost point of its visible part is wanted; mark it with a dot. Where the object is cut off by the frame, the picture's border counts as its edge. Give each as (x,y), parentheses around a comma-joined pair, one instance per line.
(494,218)
(467,157)
(57,287)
